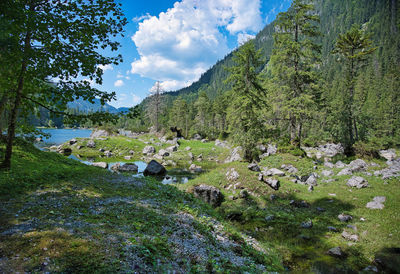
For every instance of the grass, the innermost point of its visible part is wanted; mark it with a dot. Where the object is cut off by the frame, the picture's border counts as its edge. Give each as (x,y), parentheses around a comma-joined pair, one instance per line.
(305,249)
(69,217)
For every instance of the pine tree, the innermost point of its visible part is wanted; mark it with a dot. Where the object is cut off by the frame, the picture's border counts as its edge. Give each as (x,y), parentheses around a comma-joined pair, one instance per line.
(294,61)
(354,48)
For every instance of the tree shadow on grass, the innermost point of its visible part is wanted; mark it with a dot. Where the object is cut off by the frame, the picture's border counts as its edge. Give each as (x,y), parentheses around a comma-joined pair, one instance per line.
(285,223)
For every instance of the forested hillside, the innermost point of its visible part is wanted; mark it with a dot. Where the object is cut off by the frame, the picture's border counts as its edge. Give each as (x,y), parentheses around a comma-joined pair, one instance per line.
(204,106)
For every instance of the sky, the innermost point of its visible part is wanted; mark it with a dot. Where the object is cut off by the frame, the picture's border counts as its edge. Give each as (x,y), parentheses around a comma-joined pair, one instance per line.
(174,42)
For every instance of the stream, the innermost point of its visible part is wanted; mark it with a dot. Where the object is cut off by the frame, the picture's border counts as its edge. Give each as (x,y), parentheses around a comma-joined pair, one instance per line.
(60,136)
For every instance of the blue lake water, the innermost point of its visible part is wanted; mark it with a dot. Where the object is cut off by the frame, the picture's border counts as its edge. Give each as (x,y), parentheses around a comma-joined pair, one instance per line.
(59,136)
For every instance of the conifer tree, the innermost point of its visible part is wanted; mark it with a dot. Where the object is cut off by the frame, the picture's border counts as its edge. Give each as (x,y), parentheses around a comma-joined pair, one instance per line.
(294,60)
(354,48)
(247,99)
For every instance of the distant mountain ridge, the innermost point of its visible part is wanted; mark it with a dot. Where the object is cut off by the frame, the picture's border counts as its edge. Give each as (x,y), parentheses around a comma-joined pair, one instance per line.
(85,106)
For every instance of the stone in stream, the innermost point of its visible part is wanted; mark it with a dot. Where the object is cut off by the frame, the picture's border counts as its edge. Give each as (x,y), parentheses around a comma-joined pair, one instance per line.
(154,168)
(358,182)
(209,194)
(100,164)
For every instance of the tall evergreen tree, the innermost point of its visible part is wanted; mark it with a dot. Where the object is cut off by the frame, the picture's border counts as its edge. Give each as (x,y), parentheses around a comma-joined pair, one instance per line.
(294,61)
(354,48)
(247,99)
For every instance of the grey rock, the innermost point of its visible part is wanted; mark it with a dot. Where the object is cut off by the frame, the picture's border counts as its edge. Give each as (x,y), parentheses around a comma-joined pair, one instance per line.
(370,268)
(274,172)
(172,149)
(377,203)
(307,224)
(100,164)
(320,209)
(128,167)
(80,147)
(128,158)
(163,153)
(91,144)
(191,156)
(235,155)
(209,194)
(99,133)
(332,228)
(270,218)
(65,151)
(345,171)
(108,153)
(154,168)
(262,148)
(195,168)
(273,183)
(197,137)
(327,173)
(312,180)
(329,165)
(344,217)
(254,167)
(101,150)
(200,157)
(358,165)
(188,148)
(222,144)
(310,188)
(272,149)
(232,175)
(336,252)
(358,182)
(148,150)
(204,140)
(72,141)
(389,154)
(290,168)
(340,164)
(350,237)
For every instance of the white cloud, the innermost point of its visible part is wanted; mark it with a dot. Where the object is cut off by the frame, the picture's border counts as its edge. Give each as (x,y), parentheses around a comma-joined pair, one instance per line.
(141,18)
(106,67)
(118,83)
(119,76)
(179,45)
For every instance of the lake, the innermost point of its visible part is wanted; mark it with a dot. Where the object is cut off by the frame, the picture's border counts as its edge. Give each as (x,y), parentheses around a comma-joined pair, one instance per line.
(59,136)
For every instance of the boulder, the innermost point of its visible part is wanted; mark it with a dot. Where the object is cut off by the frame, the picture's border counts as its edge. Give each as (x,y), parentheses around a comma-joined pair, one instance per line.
(154,168)
(232,175)
(66,151)
(204,140)
(195,168)
(163,153)
(273,183)
(389,154)
(358,182)
(108,153)
(99,133)
(345,171)
(377,203)
(393,170)
(200,157)
(91,144)
(188,148)
(344,217)
(326,151)
(358,165)
(312,180)
(235,155)
(262,148)
(289,168)
(100,164)
(327,173)
(254,167)
(209,194)
(172,149)
(274,172)
(340,164)
(197,137)
(223,144)
(336,252)
(329,165)
(350,237)
(128,158)
(307,224)
(191,156)
(148,150)
(272,149)
(73,141)
(80,147)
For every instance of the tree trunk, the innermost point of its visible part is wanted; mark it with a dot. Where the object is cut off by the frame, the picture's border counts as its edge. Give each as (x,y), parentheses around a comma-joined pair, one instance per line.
(14,112)
(3,103)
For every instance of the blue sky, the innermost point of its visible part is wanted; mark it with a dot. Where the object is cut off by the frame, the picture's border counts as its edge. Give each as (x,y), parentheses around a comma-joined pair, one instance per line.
(174,42)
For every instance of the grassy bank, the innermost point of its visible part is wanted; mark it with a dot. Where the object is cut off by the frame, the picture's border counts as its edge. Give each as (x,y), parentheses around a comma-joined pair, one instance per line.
(59,215)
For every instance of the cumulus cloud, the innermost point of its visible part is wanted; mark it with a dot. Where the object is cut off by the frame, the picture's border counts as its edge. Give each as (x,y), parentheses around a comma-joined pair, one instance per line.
(118,83)
(179,45)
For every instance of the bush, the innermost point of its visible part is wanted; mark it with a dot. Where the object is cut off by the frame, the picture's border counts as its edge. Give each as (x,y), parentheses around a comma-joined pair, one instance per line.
(367,150)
